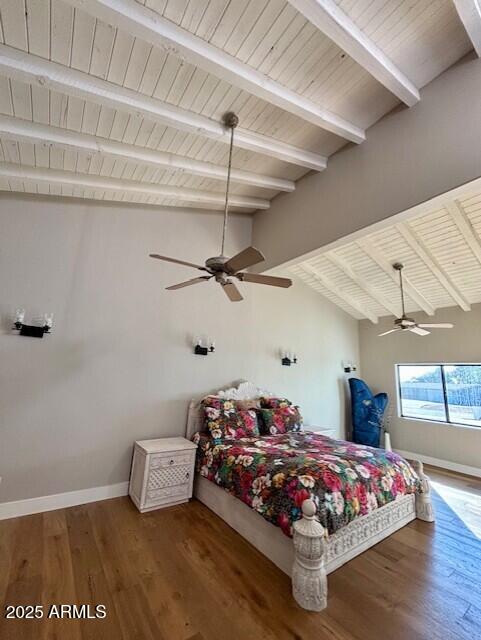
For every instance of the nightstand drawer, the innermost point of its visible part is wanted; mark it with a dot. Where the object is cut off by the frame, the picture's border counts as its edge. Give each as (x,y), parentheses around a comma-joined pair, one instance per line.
(162,477)
(177,492)
(172,459)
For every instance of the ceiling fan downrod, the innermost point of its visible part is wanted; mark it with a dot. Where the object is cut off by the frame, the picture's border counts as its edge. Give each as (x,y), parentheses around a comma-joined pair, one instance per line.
(231,121)
(398,266)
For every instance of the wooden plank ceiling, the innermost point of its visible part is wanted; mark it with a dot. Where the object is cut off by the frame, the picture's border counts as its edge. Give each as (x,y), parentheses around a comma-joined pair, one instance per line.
(439,247)
(122,99)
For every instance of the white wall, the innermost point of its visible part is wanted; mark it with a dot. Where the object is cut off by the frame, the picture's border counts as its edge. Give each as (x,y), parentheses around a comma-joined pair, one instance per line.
(410,156)
(119,364)
(461,445)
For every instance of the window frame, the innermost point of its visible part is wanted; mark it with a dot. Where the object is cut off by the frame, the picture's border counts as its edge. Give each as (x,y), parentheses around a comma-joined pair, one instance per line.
(448,422)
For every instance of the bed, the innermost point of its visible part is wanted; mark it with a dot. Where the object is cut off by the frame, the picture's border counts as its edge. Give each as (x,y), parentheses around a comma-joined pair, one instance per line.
(325,534)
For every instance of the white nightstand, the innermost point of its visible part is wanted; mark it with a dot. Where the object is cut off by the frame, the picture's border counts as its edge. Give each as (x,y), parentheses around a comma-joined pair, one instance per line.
(162,473)
(330,432)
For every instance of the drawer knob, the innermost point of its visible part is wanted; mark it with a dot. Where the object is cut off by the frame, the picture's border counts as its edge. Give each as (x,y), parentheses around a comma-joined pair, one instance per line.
(171,461)
(187,475)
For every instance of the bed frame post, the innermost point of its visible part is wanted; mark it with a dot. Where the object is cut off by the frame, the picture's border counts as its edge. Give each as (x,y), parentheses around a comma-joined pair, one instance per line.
(424,505)
(309,578)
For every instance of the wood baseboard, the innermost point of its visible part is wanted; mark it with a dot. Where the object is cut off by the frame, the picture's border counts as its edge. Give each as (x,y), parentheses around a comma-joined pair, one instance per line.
(442,464)
(61,500)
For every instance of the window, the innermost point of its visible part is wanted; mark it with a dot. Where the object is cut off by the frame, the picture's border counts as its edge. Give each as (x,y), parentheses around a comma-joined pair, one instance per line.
(441,392)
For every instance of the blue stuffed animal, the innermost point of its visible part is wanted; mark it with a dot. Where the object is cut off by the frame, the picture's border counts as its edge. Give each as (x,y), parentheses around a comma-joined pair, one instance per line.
(367,413)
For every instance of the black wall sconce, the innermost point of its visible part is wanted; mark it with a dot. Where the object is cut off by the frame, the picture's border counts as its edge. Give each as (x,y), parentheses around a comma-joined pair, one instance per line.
(203,347)
(288,358)
(32,330)
(349,367)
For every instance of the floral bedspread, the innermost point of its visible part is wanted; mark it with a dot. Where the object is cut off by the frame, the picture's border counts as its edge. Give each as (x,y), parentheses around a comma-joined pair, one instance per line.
(275,474)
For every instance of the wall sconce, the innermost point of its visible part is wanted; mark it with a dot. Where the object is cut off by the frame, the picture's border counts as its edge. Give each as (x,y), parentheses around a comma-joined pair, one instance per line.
(349,367)
(32,330)
(203,347)
(288,358)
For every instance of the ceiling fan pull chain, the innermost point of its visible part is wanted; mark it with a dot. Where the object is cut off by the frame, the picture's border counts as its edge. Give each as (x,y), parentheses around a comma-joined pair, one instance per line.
(231,121)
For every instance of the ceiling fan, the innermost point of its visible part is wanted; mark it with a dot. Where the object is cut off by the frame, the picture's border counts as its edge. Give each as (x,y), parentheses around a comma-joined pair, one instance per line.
(220,267)
(408,324)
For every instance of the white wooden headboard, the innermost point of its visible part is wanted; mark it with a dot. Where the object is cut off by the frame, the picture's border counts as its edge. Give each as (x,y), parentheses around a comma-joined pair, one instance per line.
(244,391)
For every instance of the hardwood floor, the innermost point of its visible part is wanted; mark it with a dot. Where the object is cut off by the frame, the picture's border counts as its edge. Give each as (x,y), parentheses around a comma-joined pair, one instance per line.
(183,574)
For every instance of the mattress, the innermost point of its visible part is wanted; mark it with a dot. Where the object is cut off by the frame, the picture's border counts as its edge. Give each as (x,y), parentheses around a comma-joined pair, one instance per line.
(274,474)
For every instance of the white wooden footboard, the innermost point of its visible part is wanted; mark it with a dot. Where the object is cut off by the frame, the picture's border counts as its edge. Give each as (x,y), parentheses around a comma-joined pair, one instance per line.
(314,554)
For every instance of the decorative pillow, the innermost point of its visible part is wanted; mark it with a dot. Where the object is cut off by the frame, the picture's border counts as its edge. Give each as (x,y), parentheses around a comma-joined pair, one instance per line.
(274,403)
(248,405)
(224,421)
(280,420)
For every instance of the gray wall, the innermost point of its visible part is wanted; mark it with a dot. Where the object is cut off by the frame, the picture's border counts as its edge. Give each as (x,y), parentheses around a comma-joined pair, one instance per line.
(119,364)
(409,156)
(461,445)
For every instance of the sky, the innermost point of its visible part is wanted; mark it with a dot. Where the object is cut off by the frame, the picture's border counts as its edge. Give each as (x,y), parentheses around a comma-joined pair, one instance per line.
(407,373)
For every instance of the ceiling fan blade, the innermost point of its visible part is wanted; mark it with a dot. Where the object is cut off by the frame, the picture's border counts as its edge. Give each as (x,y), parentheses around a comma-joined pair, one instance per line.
(246,258)
(440,325)
(175,261)
(187,283)
(386,332)
(273,281)
(418,331)
(232,291)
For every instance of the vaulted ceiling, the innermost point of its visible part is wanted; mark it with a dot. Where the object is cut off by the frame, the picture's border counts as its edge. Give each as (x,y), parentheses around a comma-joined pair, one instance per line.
(122,99)
(439,244)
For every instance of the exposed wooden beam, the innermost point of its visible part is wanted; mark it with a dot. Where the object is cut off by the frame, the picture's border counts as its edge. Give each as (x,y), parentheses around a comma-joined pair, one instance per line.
(195,196)
(337,291)
(26,131)
(465,227)
(37,71)
(268,146)
(378,256)
(147,25)
(470,13)
(362,283)
(326,16)
(433,265)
